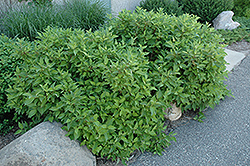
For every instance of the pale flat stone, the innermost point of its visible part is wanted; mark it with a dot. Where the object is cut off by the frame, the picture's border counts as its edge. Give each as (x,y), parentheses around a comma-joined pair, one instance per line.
(233,58)
(46,144)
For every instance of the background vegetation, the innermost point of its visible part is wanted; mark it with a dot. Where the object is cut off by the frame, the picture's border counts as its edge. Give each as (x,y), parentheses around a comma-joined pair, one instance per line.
(82,14)
(207,10)
(242,8)
(168,6)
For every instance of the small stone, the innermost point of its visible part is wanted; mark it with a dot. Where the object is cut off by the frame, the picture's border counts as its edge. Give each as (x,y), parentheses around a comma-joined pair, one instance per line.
(173,113)
(224,21)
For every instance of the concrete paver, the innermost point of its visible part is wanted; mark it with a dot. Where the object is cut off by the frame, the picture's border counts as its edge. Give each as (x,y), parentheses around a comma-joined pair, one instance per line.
(233,58)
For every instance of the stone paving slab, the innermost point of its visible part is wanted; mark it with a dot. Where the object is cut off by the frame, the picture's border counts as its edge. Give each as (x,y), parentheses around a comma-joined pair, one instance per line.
(233,58)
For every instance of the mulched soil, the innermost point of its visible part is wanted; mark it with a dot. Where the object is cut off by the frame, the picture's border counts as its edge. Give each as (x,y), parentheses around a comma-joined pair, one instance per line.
(6,139)
(242,46)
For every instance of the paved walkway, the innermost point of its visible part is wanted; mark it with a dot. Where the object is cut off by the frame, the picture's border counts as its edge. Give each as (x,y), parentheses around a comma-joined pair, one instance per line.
(224,137)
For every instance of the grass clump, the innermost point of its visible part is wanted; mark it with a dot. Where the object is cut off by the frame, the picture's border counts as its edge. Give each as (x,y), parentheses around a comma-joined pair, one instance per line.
(28,20)
(168,6)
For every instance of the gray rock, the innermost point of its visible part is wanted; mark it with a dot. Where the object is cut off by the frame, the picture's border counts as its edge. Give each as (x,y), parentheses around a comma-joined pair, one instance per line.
(46,144)
(224,21)
(173,113)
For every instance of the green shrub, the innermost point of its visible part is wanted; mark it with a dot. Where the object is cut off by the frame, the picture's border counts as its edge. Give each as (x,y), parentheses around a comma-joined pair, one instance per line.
(98,88)
(27,21)
(169,6)
(20,22)
(242,8)
(110,87)
(8,64)
(207,10)
(187,63)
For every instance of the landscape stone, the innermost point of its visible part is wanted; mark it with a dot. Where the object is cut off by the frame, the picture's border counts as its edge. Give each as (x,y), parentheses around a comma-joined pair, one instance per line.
(46,144)
(224,21)
(173,113)
(234,58)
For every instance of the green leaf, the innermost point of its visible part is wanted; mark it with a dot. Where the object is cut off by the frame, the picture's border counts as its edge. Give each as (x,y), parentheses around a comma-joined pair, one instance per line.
(122,100)
(29,101)
(61,116)
(51,119)
(98,149)
(32,113)
(152,133)
(124,139)
(83,143)
(111,127)
(18,132)
(20,125)
(105,60)
(92,97)
(76,134)
(159,94)
(152,110)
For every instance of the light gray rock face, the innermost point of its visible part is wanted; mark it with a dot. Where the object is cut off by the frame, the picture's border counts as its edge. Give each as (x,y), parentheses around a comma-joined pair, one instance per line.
(46,144)
(224,21)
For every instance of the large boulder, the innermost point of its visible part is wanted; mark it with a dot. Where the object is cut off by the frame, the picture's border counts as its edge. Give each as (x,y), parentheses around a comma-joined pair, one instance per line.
(45,144)
(224,21)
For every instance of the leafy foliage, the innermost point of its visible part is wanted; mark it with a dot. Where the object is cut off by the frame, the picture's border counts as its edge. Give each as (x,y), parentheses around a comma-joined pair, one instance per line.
(207,10)
(38,2)
(169,6)
(186,61)
(98,88)
(242,8)
(8,65)
(109,87)
(28,20)
(200,117)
